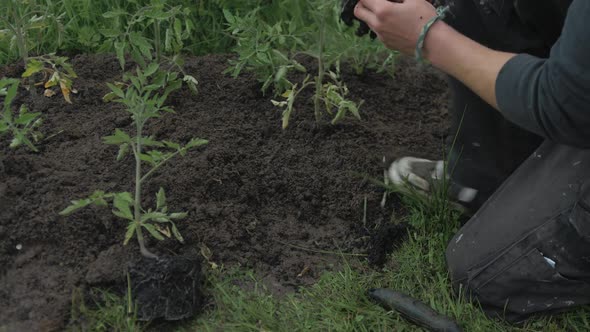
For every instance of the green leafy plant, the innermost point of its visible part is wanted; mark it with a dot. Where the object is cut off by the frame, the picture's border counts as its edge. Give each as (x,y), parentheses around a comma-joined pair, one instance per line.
(333,94)
(267,44)
(56,72)
(133,42)
(144,97)
(23,126)
(288,104)
(169,28)
(329,95)
(21,18)
(334,98)
(264,48)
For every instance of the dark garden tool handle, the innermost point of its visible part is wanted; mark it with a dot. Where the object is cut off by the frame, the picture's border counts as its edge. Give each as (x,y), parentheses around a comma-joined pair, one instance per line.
(414,310)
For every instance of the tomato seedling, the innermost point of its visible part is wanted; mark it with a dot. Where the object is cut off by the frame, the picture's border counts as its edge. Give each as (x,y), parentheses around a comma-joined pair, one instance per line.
(23,126)
(56,72)
(144,98)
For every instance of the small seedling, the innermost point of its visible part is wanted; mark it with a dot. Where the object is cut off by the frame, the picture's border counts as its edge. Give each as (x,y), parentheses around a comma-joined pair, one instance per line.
(56,72)
(288,105)
(23,126)
(331,94)
(144,98)
(334,97)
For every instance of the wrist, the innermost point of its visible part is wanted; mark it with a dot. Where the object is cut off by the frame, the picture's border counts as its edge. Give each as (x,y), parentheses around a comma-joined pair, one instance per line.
(437,40)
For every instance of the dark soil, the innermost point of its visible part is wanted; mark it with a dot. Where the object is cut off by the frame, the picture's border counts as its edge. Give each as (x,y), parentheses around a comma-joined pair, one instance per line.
(257,196)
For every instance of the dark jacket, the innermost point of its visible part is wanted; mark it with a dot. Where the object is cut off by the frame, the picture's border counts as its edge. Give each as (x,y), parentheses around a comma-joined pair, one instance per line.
(551,97)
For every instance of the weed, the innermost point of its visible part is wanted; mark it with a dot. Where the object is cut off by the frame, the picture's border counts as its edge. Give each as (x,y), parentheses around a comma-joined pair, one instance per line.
(144,98)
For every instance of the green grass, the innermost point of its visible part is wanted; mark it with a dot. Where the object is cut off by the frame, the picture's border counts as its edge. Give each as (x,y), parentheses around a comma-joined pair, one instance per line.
(338,301)
(109,313)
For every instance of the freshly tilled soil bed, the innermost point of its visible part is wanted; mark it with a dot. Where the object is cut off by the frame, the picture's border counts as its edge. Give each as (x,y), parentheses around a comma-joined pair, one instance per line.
(256,195)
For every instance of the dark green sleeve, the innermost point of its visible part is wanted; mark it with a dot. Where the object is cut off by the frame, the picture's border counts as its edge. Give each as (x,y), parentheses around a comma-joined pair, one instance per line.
(551,97)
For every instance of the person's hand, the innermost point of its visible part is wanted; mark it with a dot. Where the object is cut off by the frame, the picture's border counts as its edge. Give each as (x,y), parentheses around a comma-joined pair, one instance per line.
(397,25)
(347,16)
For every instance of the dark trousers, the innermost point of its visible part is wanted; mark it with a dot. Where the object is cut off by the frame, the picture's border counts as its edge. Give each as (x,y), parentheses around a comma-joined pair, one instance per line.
(527,249)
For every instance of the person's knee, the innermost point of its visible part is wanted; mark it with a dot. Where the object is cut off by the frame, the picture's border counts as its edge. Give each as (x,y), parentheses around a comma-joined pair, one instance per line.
(456,264)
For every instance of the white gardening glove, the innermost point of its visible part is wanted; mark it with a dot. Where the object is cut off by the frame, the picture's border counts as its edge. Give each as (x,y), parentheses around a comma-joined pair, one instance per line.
(422,173)
(417,171)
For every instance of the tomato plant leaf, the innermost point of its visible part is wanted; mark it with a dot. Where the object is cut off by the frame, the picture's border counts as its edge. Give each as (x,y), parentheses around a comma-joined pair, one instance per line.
(130,232)
(76,205)
(122,205)
(152,230)
(33,67)
(178,215)
(160,199)
(177,234)
(120,137)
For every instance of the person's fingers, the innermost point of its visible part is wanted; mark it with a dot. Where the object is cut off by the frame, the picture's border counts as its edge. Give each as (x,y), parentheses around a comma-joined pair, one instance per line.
(376,5)
(364,14)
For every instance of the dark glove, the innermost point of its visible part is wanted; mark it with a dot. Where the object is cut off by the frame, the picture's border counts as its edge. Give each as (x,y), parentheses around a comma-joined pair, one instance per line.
(347,16)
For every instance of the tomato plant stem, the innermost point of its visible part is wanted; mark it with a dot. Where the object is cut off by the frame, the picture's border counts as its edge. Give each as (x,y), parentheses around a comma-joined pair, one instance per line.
(137,201)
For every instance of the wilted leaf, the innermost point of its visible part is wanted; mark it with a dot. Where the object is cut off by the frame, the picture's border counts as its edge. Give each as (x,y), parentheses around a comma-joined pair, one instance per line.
(53,80)
(177,233)
(33,67)
(49,93)
(150,228)
(65,90)
(164,230)
(205,251)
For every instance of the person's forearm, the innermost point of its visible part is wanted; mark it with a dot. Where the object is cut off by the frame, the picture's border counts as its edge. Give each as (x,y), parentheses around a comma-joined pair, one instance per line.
(474,65)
